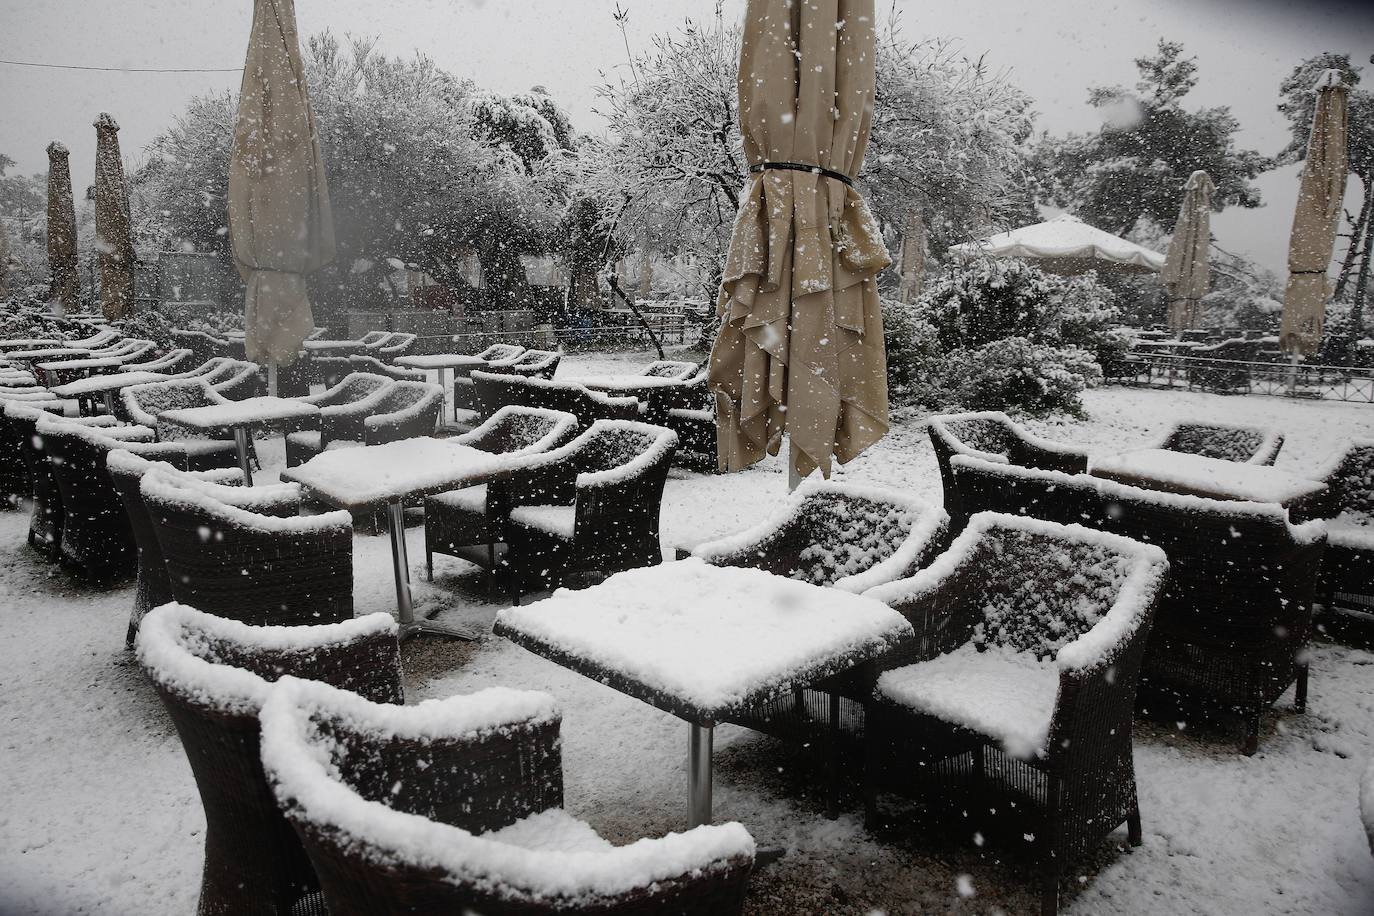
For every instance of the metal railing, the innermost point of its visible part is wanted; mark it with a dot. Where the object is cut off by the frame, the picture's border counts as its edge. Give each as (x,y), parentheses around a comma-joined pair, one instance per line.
(1305,380)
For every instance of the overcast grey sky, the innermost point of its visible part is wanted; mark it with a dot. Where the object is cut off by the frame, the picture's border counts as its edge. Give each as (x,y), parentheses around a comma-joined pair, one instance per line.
(1053,50)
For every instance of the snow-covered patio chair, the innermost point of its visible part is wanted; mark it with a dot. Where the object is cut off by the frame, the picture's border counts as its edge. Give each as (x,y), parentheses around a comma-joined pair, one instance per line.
(591,506)
(214,675)
(672,368)
(1232,628)
(168,362)
(96,538)
(465,523)
(204,346)
(354,398)
(992,436)
(1348,567)
(1029,642)
(397,344)
(456,806)
(244,553)
(496,390)
(126,466)
(535,364)
(45,520)
(1246,444)
(244,381)
(141,404)
(848,536)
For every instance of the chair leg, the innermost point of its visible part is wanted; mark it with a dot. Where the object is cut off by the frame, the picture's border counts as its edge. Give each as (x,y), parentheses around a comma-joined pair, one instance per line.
(1049,876)
(832,800)
(429,562)
(1049,894)
(1300,691)
(1134,835)
(1252,728)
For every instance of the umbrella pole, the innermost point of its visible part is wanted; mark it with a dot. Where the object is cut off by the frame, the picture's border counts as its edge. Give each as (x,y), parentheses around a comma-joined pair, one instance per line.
(272,380)
(1293,375)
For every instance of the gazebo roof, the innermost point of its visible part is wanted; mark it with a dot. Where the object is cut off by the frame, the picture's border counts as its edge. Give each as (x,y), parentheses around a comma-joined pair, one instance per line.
(1066,244)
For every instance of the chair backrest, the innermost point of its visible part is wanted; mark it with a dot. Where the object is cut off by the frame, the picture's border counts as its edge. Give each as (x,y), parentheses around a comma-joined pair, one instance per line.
(245,381)
(142,403)
(515,430)
(364,363)
(169,360)
(1247,444)
(397,344)
(845,535)
(536,363)
(226,555)
(670,368)
(214,675)
(1352,479)
(404,411)
(392,804)
(353,388)
(501,352)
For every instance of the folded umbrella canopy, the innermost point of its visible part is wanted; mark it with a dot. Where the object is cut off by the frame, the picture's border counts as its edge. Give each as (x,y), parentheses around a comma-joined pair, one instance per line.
(800,347)
(1320,191)
(1187,275)
(279,217)
(114,237)
(64,283)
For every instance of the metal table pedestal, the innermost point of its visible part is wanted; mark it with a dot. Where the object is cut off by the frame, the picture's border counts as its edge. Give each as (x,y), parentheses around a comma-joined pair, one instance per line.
(396,525)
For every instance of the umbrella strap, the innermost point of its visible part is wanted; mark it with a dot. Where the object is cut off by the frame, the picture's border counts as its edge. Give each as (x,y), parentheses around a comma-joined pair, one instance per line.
(803,167)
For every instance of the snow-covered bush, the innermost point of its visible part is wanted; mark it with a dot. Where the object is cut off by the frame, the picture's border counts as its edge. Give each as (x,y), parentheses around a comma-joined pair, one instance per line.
(997,334)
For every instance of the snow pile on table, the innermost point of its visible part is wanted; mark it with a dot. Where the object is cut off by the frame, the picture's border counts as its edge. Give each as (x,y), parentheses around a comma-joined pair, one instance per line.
(301,754)
(712,637)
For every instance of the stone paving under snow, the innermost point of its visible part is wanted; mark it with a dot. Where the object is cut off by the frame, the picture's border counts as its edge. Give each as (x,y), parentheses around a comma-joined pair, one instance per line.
(99,813)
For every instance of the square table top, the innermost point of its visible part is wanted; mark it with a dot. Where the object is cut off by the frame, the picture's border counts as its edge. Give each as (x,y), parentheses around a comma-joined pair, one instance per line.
(259,411)
(701,641)
(98,384)
(361,479)
(440,361)
(1198,475)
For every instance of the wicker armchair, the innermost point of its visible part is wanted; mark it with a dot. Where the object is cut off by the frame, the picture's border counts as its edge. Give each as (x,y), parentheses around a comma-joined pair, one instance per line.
(167,362)
(850,537)
(672,368)
(493,391)
(456,807)
(214,675)
(1348,567)
(96,538)
(396,344)
(535,364)
(464,523)
(126,466)
(45,520)
(497,353)
(141,405)
(464,395)
(1246,444)
(591,506)
(245,381)
(16,484)
(1029,642)
(991,435)
(204,346)
(1233,624)
(243,553)
(341,407)
(362,362)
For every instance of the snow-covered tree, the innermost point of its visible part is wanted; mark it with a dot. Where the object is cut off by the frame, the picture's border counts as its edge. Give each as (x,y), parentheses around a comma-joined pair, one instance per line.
(24,219)
(1136,165)
(1298,101)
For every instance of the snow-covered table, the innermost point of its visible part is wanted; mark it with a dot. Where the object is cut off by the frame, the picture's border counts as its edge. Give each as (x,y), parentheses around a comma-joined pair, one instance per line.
(240,417)
(376,476)
(704,642)
(439,363)
(105,386)
(1215,478)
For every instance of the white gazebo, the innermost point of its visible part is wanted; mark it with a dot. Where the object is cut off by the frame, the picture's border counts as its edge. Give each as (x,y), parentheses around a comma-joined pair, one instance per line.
(1066,245)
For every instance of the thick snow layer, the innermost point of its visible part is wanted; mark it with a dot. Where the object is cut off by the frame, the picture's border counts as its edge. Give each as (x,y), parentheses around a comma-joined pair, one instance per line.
(1064,236)
(98,384)
(360,477)
(556,520)
(1006,695)
(101,815)
(439,361)
(557,426)
(1207,476)
(247,412)
(710,636)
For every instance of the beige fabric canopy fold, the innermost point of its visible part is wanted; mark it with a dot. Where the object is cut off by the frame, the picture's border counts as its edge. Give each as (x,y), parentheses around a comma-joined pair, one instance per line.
(800,348)
(64,283)
(1320,191)
(1187,274)
(279,217)
(114,237)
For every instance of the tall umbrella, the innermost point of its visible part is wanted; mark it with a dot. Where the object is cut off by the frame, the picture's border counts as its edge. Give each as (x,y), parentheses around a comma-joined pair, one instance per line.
(800,348)
(1187,275)
(64,283)
(1320,192)
(114,240)
(279,217)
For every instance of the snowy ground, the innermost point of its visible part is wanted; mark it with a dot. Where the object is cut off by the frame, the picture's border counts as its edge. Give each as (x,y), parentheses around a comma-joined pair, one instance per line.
(100,814)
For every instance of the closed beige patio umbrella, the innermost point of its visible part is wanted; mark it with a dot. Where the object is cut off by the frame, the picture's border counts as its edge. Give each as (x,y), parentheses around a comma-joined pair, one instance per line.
(1187,274)
(800,347)
(1320,192)
(64,283)
(114,239)
(279,218)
